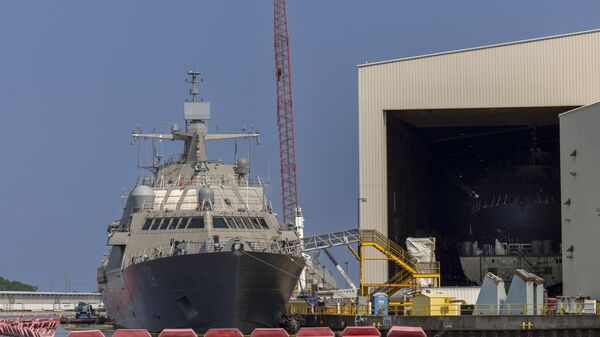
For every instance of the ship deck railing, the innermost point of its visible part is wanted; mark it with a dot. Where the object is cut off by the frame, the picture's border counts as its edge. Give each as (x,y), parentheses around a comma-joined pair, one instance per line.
(185,247)
(244,206)
(516,249)
(212,180)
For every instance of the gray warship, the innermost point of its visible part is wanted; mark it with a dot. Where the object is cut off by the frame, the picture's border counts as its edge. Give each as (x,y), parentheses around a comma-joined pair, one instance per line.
(198,244)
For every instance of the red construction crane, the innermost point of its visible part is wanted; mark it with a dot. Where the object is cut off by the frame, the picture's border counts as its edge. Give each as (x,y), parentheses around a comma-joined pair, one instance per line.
(285,115)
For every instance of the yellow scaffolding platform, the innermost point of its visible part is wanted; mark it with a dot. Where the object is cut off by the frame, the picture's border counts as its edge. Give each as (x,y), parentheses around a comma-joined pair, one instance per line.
(410,269)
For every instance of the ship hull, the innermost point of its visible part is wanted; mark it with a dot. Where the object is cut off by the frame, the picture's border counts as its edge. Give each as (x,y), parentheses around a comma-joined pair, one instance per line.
(245,290)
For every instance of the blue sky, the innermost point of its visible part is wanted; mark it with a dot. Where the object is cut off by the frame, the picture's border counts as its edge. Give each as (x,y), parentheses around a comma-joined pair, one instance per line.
(77,76)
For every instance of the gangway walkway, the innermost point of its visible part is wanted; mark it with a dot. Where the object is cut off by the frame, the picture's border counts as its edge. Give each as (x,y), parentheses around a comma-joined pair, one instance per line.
(410,269)
(322,241)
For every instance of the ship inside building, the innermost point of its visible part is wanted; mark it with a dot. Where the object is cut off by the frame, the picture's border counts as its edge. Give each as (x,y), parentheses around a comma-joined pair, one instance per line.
(484,182)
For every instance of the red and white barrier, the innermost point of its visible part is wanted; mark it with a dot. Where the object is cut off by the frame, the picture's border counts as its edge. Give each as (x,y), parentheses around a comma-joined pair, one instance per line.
(232,332)
(406,331)
(178,333)
(131,333)
(269,332)
(19,327)
(361,331)
(45,328)
(315,332)
(86,333)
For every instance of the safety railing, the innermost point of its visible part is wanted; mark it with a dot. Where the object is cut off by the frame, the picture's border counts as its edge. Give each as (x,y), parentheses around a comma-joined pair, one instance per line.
(327,240)
(208,246)
(241,204)
(344,310)
(451,309)
(162,251)
(211,180)
(428,268)
(388,247)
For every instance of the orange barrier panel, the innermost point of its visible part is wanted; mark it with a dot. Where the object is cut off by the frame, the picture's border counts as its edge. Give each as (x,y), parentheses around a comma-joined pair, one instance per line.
(361,331)
(131,333)
(315,332)
(231,332)
(406,331)
(86,333)
(269,332)
(178,333)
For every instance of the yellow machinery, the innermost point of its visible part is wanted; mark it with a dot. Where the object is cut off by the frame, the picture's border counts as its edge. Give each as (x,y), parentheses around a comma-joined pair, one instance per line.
(435,304)
(410,269)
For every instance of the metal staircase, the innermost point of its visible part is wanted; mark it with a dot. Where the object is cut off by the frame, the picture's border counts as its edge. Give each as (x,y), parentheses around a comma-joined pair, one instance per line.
(372,238)
(400,279)
(410,269)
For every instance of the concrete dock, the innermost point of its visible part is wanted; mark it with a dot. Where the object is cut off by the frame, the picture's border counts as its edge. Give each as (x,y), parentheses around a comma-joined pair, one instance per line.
(473,326)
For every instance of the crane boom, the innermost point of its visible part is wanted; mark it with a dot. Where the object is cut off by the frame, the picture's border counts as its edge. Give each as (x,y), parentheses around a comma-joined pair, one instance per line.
(285,115)
(340,269)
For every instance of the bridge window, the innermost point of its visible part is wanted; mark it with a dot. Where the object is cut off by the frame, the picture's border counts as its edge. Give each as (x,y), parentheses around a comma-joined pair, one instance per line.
(183,223)
(156,224)
(254,222)
(197,222)
(219,222)
(234,223)
(231,222)
(165,223)
(174,223)
(240,222)
(263,223)
(247,222)
(147,224)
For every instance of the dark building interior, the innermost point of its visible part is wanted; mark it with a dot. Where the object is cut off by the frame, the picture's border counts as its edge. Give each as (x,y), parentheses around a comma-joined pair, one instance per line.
(473,174)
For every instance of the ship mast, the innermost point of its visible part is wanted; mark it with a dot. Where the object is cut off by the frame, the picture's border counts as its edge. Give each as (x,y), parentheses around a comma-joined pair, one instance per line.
(193,90)
(196,113)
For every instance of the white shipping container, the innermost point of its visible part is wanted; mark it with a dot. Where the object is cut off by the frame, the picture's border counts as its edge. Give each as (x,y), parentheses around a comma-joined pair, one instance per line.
(467,294)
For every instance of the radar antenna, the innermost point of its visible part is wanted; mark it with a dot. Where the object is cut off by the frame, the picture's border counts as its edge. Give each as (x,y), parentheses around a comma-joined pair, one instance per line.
(194,79)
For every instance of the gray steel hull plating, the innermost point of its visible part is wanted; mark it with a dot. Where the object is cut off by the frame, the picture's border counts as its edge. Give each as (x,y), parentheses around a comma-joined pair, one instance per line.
(245,290)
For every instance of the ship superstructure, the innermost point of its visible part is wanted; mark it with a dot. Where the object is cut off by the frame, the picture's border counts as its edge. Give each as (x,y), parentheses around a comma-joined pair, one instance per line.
(198,244)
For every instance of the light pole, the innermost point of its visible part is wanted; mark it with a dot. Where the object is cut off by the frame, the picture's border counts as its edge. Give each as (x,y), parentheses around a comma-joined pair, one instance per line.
(360,268)
(360,200)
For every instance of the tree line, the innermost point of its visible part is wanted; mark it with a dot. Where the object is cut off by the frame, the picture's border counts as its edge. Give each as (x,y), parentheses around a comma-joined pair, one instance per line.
(8,285)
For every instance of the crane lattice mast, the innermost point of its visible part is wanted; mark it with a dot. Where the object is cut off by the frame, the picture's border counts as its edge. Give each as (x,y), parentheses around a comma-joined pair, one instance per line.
(285,115)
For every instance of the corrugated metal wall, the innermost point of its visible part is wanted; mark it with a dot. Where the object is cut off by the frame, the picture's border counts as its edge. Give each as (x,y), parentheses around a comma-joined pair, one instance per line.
(580,186)
(557,71)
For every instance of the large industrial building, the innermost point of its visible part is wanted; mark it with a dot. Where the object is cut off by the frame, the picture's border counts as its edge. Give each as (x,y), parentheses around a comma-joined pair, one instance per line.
(467,146)
(46,301)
